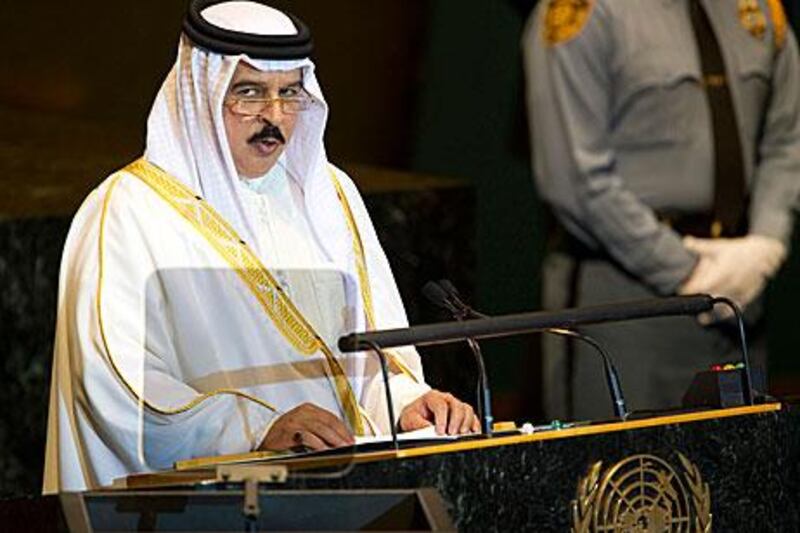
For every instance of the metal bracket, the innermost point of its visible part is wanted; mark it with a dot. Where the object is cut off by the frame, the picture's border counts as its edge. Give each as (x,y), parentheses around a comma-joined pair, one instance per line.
(251,476)
(257,473)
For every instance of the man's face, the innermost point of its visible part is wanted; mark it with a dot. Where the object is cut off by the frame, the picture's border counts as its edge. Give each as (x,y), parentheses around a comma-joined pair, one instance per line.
(257,141)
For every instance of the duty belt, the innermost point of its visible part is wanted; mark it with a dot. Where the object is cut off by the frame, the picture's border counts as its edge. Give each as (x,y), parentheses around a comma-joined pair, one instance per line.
(702,225)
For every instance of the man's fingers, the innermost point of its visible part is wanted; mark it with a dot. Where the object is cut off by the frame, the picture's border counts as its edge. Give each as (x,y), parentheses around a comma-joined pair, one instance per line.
(339,431)
(693,285)
(700,246)
(470,420)
(458,414)
(438,406)
(311,441)
(690,243)
(327,426)
(310,426)
(328,435)
(275,440)
(449,415)
(696,282)
(414,420)
(719,314)
(707,278)
(705,319)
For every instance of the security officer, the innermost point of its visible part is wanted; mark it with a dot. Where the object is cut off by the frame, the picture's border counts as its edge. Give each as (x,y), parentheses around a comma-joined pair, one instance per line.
(666,139)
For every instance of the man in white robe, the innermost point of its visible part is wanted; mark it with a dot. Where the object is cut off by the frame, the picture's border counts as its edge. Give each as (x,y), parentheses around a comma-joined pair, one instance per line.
(203,287)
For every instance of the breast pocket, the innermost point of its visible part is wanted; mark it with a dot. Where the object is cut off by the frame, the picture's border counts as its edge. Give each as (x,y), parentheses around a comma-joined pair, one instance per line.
(657,98)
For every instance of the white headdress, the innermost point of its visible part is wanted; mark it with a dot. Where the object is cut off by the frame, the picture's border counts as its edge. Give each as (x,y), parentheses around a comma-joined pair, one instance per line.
(186,135)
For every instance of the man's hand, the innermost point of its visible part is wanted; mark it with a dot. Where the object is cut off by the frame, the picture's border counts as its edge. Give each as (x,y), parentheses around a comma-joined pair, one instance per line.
(734,268)
(310,426)
(447,413)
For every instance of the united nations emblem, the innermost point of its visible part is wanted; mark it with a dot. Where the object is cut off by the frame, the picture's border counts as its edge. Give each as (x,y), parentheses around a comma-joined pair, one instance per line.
(565,19)
(753,18)
(642,494)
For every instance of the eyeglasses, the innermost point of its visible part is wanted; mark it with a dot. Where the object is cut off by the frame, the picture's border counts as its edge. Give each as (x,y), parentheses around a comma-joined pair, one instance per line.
(252,107)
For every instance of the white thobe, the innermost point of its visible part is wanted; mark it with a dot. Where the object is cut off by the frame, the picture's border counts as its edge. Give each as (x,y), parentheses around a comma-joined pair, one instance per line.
(153,324)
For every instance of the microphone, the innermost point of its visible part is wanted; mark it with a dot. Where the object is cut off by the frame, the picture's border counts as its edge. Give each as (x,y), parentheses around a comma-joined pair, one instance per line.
(438,294)
(510,325)
(455,298)
(612,377)
(610,370)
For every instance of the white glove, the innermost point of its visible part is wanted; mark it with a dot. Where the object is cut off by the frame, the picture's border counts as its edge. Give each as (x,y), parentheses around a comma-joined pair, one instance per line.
(737,269)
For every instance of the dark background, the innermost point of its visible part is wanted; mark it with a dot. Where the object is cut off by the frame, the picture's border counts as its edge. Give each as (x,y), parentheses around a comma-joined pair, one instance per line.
(427,87)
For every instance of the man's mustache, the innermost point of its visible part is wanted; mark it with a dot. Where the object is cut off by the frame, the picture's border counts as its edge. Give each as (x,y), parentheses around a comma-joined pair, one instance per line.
(267,133)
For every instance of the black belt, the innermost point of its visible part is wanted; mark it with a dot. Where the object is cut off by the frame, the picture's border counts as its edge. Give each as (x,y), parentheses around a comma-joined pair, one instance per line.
(702,225)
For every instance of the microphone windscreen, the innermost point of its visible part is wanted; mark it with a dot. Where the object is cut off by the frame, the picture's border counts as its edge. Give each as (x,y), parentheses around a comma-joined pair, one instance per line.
(436,295)
(528,322)
(449,288)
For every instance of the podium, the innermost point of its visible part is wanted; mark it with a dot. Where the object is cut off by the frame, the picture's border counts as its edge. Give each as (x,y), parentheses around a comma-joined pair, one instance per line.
(734,469)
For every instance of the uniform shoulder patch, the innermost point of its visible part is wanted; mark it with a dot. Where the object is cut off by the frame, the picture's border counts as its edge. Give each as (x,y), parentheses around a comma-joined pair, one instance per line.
(566,19)
(780,24)
(753,18)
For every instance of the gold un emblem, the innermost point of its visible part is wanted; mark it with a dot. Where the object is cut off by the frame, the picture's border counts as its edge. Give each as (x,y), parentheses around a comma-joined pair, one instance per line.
(642,494)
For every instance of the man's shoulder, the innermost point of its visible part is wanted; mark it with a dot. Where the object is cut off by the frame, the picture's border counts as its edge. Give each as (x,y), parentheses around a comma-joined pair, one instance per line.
(779,22)
(121,190)
(558,22)
(125,183)
(344,180)
(338,172)
(111,200)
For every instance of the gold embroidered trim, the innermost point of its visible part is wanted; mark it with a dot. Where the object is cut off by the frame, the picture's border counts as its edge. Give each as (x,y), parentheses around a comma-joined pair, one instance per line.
(223,238)
(565,19)
(363,275)
(779,22)
(99,305)
(358,247)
